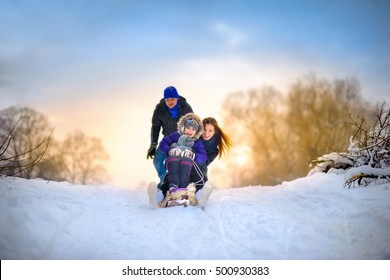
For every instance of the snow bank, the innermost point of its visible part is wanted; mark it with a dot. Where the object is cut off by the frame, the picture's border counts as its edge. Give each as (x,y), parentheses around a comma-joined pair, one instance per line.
(309,218)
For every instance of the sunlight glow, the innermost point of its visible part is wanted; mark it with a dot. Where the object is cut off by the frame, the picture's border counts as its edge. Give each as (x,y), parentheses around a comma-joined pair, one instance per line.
(241,153)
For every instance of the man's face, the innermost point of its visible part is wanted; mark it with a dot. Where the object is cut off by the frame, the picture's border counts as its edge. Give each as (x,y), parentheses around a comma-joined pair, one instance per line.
(171,102)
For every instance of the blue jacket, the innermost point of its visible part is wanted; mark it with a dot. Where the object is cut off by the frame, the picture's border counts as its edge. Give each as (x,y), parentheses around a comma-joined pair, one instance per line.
(198,148)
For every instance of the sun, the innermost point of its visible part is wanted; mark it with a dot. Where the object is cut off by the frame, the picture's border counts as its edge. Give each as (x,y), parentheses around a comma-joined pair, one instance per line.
(241,154)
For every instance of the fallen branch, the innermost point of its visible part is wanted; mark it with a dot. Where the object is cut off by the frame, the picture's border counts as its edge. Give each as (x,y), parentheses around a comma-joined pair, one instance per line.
(367,174)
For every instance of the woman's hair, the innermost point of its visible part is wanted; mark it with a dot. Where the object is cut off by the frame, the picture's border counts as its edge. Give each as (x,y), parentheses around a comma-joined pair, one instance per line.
(224,141)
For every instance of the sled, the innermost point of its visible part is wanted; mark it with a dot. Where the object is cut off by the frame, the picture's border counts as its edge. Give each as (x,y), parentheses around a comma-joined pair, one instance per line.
(180,197)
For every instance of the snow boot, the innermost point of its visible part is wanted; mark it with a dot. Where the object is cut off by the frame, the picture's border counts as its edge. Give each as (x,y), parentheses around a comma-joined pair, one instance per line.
(172,187)
(206,191)
(152,192)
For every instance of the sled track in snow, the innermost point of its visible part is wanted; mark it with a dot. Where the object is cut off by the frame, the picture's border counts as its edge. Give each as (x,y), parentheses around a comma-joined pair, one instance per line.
(232,228)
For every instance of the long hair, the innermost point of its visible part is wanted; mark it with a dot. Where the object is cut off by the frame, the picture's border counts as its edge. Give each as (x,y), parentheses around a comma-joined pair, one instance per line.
(224,141)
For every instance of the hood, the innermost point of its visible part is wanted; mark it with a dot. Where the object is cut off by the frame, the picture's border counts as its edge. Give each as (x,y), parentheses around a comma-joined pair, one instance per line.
(180,124)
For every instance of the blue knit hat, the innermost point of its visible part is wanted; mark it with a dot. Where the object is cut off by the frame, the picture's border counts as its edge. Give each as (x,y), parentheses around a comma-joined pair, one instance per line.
(170,92)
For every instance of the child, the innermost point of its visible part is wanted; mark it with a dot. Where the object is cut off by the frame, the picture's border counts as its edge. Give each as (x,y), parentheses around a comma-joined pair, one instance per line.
(184,148)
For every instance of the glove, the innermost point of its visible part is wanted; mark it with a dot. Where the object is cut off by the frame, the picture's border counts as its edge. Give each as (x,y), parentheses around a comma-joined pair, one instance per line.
(188,153)
(151,151)
(175,152)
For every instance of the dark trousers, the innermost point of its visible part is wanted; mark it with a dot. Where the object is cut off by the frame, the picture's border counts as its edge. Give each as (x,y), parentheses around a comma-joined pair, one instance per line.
(179,171)
(175,169)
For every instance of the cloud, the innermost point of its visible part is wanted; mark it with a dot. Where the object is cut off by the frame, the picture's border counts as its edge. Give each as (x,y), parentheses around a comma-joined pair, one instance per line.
(232,36)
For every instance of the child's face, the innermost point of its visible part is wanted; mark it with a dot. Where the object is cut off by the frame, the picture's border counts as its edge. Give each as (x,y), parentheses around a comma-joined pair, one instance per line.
(190,131)
(209,131)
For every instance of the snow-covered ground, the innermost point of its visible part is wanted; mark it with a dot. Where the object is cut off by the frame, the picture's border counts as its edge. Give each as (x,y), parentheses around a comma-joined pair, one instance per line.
(309,218)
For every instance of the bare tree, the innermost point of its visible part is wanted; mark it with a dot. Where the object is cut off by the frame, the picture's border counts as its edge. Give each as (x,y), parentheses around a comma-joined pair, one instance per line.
(81,157)
(52,167)
(317,115)
(285,132)
(77,159)
(24,139)
(255,120)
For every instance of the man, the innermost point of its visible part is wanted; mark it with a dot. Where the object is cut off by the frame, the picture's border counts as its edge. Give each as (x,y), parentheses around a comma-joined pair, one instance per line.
(166,116)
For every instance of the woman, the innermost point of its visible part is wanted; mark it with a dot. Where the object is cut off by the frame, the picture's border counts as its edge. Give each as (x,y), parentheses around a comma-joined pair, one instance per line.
(215,141)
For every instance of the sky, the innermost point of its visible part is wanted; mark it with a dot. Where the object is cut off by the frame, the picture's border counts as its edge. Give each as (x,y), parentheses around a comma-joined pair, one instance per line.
(101,66)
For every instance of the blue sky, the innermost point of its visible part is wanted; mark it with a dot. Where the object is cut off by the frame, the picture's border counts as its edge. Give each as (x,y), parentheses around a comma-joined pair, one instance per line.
(110,60)
(134,37)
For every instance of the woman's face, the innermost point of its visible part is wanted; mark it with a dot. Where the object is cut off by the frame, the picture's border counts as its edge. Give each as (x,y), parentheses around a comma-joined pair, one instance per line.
(209,131)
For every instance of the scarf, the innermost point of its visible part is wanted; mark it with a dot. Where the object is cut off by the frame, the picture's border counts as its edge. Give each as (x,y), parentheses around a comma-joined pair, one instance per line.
(184,140)
(174,111)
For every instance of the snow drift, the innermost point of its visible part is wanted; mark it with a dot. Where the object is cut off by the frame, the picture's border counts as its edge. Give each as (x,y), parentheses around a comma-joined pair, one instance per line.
(309,218)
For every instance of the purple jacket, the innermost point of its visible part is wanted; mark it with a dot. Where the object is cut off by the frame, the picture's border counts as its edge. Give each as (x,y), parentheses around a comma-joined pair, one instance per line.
(200,152)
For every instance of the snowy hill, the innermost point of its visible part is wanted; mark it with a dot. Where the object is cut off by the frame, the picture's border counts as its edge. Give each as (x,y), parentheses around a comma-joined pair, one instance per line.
(309,218)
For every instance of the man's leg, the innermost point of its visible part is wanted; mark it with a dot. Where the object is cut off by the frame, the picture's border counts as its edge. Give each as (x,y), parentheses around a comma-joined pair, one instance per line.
(158,162)
(152,193)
